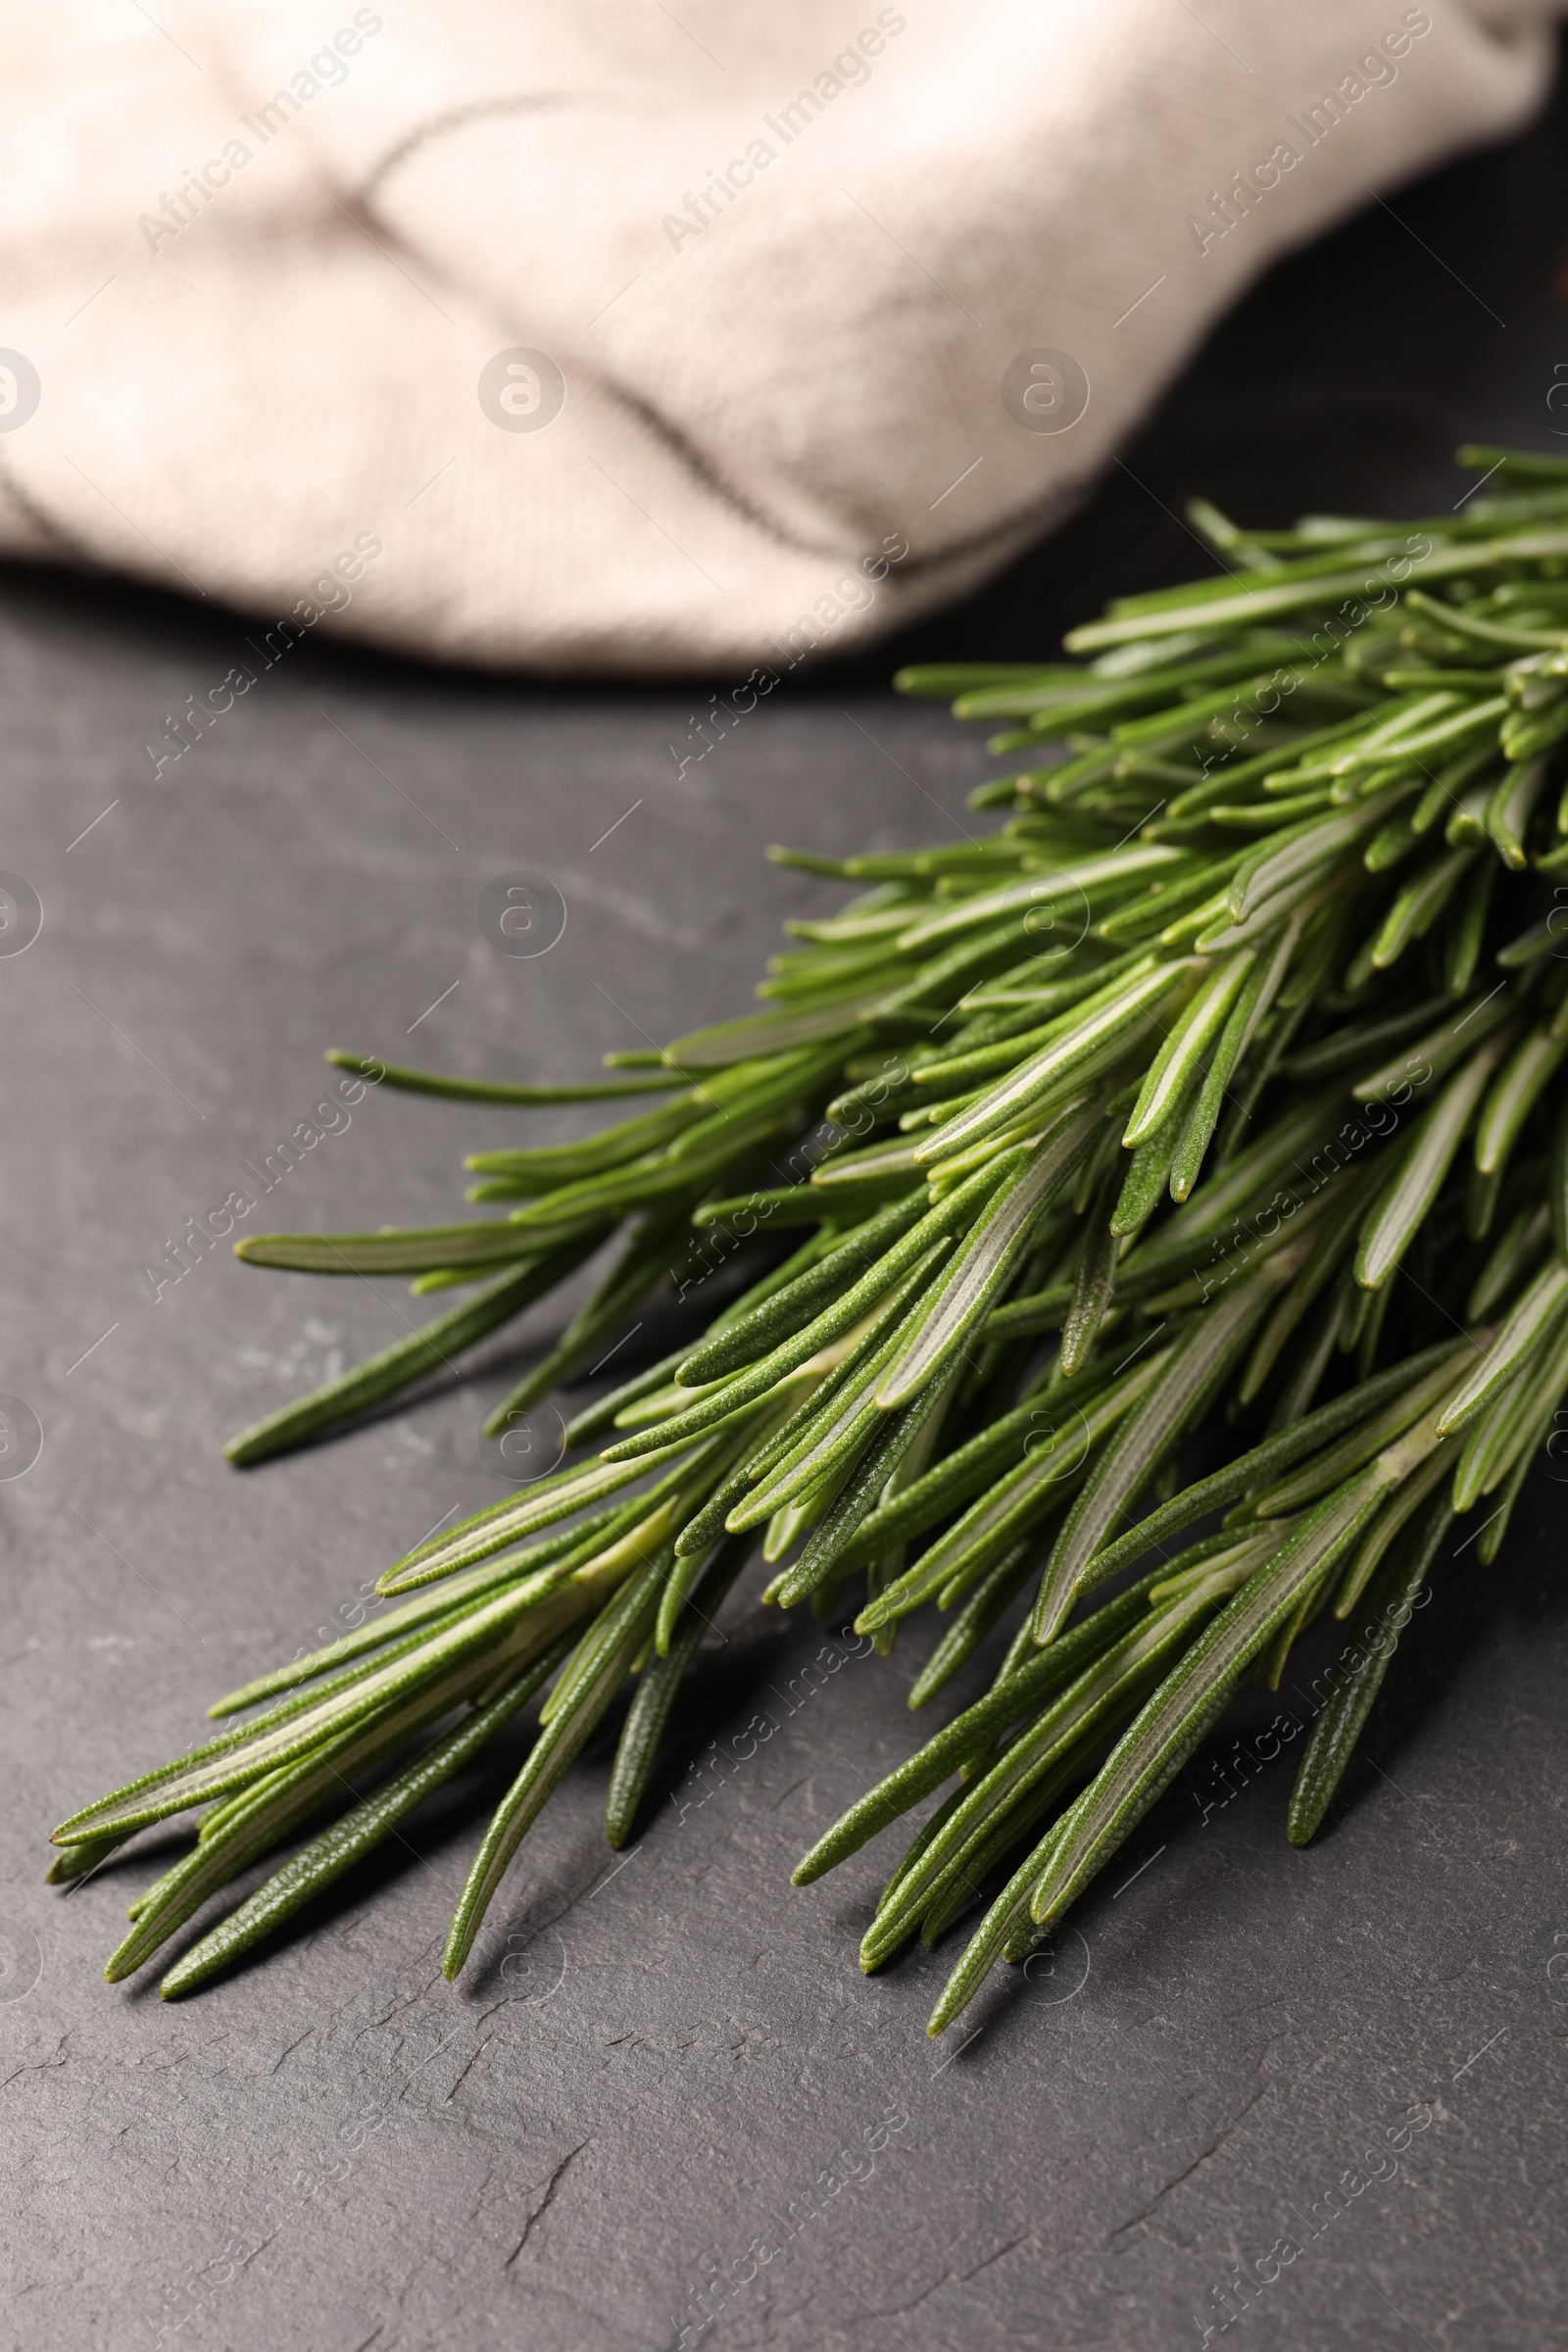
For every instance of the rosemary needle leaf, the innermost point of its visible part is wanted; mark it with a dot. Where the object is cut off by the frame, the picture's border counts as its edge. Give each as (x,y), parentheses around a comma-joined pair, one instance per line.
(484,1245)
(1093,1287)
(336,1850)
(1184,1048)
(868,1482)
(383,1375)
(484,1090)
(1393,1224)
(1521,1334)
(966,1290)
(1091,1047)
(1514,1094)
(80,1861)
(659,1685)
(779,1317)
(1187,1383)
(1179,1714)
(1259,987)
(1358,1677)
(620,1634)
(1253,1470)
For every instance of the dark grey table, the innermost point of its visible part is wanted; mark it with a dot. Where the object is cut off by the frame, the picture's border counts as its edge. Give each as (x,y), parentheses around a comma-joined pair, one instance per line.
(662,2105)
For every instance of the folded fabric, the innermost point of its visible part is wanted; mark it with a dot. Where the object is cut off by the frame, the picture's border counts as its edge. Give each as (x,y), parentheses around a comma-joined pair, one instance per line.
(638,339)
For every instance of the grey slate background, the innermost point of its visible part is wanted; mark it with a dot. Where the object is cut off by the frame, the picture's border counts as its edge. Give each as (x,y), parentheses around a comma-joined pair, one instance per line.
(657,2072)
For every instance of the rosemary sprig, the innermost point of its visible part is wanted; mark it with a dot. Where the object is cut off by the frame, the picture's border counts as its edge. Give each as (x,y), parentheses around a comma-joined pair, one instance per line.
(1116,1113)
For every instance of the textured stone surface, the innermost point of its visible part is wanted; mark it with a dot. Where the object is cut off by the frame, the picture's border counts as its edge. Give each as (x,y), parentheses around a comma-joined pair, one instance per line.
(662,2095)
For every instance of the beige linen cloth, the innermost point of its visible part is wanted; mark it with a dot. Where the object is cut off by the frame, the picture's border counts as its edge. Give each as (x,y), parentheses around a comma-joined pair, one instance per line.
(633,337)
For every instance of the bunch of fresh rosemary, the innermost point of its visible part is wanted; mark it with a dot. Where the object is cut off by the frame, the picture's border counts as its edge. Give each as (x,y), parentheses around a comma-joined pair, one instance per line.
(1226,1071)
